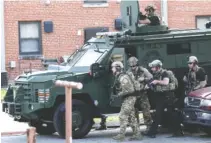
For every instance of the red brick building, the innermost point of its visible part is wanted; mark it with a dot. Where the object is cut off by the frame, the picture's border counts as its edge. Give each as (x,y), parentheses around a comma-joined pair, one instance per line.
(27,40)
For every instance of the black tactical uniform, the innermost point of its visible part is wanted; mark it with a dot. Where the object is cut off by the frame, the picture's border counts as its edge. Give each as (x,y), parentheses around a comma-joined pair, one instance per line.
(154,20)
(164,98)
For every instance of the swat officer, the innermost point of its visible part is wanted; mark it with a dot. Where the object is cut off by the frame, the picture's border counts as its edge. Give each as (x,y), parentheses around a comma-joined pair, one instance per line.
(164,95)
(142,75)
(196,77)
(123,87)
(151,18)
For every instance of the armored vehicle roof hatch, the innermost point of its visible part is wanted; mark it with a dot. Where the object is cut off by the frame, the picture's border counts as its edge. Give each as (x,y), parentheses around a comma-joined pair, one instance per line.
(130,20)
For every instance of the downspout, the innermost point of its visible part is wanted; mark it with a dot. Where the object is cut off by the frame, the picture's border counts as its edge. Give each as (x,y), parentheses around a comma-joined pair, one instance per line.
(164,12)
(2,41)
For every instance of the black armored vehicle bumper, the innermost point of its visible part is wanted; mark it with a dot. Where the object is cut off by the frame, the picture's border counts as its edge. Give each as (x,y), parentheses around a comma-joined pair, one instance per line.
(11,108)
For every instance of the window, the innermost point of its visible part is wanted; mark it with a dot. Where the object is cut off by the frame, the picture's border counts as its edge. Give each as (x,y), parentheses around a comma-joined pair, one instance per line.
(95,1)
(30,38)
(201,21)
(130,51)
(179,48)
(90,54)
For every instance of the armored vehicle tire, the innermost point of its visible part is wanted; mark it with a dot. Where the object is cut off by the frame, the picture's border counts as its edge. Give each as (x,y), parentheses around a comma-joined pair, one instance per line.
(207,130)
(191,128)
(43,128)
(82,122)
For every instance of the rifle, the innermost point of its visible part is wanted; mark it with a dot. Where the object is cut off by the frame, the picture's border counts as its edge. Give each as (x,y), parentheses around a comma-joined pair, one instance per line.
(149,84)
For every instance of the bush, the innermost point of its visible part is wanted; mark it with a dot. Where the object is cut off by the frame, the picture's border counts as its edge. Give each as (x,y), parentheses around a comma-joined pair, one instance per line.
(3,93)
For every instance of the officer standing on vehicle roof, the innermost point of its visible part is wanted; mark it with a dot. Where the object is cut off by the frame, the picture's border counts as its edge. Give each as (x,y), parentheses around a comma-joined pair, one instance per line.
(196,77)
(151,18)
(164,95)
(141,75)
(123,87)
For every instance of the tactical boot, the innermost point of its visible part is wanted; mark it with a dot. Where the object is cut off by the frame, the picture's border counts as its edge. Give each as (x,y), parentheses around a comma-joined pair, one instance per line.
(136,137)
(149,134)
(178,134)
(146,131)
(102,124)
(102,127)
(136,134)
(119,137)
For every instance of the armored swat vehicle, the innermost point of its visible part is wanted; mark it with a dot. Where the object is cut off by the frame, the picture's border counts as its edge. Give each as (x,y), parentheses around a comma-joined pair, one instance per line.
(35,99)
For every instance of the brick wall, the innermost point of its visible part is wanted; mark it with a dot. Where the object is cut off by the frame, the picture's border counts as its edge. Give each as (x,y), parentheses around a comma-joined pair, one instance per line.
(68,17)
(181,14)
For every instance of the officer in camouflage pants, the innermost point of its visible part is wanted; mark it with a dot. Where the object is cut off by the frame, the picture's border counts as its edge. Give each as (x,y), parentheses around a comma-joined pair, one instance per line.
(123,87)
(142,75)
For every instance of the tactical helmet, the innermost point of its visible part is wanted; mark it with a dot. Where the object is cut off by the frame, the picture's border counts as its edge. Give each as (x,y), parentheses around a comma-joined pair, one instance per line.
(132,61)
(192,59)
(155,63)
(150,8)
(119,65)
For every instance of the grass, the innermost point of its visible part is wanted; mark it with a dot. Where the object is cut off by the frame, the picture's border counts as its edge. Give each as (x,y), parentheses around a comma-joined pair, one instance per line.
(3,93)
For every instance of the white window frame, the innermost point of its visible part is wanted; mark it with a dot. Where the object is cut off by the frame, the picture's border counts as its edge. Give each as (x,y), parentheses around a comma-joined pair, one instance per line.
(39,39)
(95,3)
(208,17)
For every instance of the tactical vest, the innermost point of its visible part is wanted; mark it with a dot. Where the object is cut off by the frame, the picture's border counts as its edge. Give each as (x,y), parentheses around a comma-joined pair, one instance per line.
(136,84)
(136,76)
(192,81)
(173,83)
(117,85)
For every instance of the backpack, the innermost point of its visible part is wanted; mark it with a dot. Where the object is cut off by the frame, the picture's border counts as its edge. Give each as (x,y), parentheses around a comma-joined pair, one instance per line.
(173,80)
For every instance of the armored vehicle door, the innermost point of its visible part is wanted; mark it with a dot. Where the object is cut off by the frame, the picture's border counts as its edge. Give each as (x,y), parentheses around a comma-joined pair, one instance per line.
(129,14)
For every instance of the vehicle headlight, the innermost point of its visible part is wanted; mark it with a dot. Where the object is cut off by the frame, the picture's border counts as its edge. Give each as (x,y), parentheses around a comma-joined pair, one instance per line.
(205,104)
(43,95)
(186,100)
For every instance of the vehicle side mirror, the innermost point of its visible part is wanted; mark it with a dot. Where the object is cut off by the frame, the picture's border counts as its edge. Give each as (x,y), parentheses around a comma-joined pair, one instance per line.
(97,70)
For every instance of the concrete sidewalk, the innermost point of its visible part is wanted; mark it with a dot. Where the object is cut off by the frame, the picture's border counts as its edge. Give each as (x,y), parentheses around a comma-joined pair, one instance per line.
(9,125)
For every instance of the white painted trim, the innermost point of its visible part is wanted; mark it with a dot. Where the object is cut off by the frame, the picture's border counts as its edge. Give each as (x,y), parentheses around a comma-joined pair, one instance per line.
(164,11)
(96,5)
(2,37)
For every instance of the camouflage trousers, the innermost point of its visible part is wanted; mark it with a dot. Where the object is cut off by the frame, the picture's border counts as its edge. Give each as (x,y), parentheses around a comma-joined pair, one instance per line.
(127,115)
(143,102)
